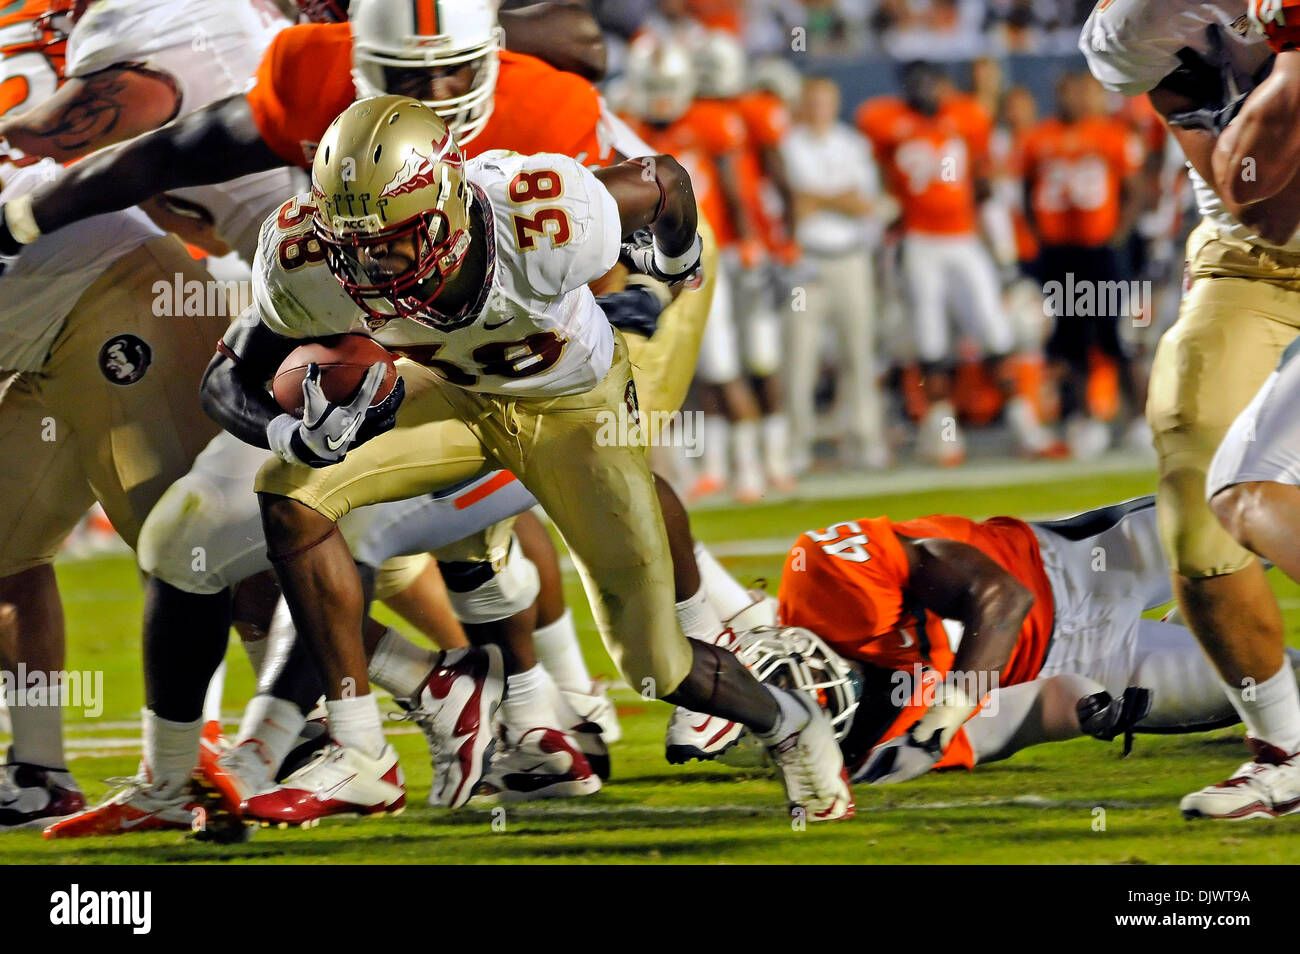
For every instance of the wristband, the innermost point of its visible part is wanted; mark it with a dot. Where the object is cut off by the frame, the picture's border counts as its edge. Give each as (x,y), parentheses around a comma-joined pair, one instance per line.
(674,265)
(20,220)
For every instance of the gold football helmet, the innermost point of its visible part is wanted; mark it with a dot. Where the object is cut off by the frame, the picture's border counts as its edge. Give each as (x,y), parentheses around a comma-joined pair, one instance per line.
(389,184)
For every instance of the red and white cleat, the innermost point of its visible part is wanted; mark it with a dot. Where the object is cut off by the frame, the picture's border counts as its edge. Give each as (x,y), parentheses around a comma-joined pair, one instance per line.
(812,767)
(237,774)
(338,781)
(596,706)
(546,763)
(1266,787)
(455,708)
(32,796)
(135,806)
(694,735)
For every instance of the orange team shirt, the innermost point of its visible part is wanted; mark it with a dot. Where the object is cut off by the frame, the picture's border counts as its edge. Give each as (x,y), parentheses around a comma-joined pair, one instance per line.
(930,163)
(682,141)
(848,584)
(35,57)
(766,122)
(716,127)
(718,14)
(305,80)
(1076,171)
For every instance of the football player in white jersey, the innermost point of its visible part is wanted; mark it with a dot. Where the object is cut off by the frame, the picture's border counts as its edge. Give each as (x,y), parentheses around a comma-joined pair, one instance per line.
(477,271)
(1198,61)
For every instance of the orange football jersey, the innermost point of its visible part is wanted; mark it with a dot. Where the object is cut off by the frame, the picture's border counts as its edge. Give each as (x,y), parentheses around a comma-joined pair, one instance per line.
(848,583)
(681,140)
(1075,172)
(35,56)
(766,122)
(305,80)
(930,163)
(716,127)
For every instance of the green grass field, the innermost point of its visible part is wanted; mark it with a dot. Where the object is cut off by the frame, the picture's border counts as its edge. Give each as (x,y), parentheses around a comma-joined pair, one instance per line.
(1072,802)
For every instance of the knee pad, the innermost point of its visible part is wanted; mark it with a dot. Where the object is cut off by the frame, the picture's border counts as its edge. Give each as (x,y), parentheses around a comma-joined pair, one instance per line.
(481,594)
(190,540)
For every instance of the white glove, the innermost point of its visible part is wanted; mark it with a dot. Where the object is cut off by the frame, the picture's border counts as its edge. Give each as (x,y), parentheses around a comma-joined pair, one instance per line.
(917,751)
(327,431)
(647,258)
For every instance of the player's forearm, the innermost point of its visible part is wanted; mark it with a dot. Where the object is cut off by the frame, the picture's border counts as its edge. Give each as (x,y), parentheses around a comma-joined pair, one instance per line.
(958,581)
(233,391)
(1257,153)
(996,613)
(214,144)
(674,226)
(564,35)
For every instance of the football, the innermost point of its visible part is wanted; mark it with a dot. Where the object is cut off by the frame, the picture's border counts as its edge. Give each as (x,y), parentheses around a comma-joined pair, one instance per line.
(343,360)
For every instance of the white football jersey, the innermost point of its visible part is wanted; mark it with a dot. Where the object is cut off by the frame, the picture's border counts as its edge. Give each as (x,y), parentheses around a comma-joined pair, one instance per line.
(38,290)
(1131,45)
(538,331)
(211,50)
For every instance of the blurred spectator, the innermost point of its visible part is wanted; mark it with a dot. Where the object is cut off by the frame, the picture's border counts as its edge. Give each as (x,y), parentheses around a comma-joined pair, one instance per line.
(836,189)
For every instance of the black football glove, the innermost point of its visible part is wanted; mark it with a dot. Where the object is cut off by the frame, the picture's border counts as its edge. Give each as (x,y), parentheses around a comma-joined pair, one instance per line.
(634,310)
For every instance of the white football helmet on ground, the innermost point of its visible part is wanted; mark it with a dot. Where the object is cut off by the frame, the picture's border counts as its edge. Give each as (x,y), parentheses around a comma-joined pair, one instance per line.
(791,657)
(433,35)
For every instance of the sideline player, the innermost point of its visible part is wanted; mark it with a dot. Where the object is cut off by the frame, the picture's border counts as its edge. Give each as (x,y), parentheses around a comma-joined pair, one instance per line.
(1197,62)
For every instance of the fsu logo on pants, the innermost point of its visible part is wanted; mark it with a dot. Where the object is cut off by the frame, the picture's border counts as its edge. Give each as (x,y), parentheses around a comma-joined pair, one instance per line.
(124,359)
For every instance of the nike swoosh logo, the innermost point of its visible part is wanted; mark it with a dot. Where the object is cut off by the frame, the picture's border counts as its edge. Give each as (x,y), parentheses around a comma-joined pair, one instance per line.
(906,637)
(348,432)
(132,823)
(326,794)
(499,324)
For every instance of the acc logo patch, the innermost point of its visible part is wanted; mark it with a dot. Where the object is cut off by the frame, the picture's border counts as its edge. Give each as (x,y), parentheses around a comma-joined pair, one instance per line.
(124,359)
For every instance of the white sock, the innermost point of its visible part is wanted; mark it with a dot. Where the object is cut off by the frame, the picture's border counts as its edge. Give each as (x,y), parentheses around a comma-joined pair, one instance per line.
(355,722)
(275,725)
(557,648)
(212,700)
(38,735)
(776,446)
(713,452)
(698,618)
(401,666)
(528,702)
(790,717)
(745,444)
(255,650)
(725,592)
(171,752)
(1272,710)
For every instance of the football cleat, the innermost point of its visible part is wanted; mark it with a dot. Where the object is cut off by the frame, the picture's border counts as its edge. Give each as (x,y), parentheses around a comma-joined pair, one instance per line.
(812,768)
(32,796)
(1265,787)
(456,709)
(694,735)
(238,773)
(134,806)
(596,706)
(546,763)
(340,780)
(583,732)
